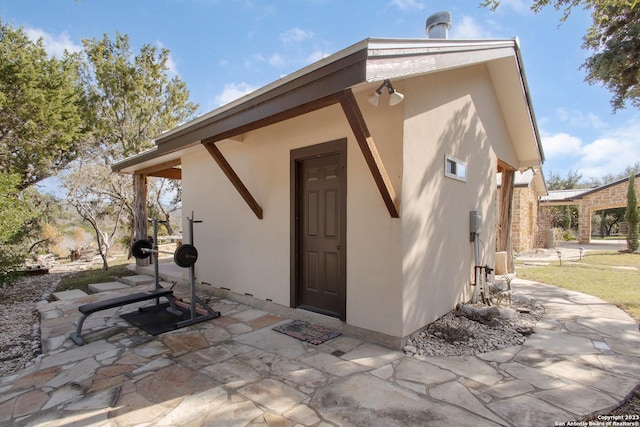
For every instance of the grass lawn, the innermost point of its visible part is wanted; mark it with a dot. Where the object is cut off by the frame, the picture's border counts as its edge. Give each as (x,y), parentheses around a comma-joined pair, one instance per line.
(82,279)
(611,276)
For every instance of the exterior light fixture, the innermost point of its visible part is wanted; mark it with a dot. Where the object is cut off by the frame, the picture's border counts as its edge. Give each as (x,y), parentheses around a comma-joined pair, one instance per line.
(395,97)
(559,256)
(375,97)
(581,249)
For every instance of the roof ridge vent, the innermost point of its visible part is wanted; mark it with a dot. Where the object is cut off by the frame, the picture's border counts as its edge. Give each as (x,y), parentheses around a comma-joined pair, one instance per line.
(438,25)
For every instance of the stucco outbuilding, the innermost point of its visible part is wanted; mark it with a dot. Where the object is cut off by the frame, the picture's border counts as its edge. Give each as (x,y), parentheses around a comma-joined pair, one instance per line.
(313,198)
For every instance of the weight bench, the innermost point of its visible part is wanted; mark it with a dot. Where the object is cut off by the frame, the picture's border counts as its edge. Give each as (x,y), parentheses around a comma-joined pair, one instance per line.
(88,309)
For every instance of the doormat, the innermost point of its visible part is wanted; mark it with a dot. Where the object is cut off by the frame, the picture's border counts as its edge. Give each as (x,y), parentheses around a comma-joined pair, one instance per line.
(156,319)
(314,334)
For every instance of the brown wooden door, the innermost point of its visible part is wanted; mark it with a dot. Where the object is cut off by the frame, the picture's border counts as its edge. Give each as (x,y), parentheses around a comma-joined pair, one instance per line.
(321,232)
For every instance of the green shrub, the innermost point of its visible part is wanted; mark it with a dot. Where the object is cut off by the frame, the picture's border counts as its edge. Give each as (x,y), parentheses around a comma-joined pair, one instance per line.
(632,216)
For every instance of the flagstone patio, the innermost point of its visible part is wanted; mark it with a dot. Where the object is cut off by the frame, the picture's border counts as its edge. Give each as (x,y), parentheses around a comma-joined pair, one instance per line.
(235,370)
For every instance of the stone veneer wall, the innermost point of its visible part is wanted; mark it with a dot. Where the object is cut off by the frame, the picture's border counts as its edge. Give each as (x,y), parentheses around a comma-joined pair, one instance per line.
(614,196)
(525,234)
(524,227)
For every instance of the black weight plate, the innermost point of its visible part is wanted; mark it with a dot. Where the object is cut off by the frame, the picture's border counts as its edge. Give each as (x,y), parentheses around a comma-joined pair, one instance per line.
(137,249)
(185,256)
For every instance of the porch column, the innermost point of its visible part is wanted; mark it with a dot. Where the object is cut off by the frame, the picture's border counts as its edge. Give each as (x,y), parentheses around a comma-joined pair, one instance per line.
(140,212)
(584,223)
(503,241)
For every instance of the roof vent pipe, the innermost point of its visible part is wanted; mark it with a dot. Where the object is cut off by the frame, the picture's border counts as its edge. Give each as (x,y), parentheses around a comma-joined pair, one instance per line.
(438,25)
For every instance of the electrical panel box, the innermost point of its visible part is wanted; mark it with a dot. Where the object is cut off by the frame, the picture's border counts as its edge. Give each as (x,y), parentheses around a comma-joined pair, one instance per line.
(475,220)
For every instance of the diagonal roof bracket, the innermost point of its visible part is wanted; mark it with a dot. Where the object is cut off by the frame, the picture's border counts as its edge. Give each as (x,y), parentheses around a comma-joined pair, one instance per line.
(370,152)
(233,177)
(358,126)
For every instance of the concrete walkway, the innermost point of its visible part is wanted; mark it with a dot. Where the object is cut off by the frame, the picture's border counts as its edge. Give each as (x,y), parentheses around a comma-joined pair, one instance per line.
(570,250)
(235,370)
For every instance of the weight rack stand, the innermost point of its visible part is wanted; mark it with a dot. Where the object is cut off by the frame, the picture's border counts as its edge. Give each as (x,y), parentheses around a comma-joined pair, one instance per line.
(195,316)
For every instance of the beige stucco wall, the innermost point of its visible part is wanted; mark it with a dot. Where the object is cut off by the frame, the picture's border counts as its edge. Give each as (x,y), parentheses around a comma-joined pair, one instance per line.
(248,255)
(453,113)
(402,273)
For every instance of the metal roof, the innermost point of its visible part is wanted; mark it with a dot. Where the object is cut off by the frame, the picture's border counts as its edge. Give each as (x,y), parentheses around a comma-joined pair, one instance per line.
(564,195)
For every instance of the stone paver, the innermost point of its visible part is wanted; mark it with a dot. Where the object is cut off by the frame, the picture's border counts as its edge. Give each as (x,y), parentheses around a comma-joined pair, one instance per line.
(69,295)
(137,280)
(235,370)
(107,286)
(529,411)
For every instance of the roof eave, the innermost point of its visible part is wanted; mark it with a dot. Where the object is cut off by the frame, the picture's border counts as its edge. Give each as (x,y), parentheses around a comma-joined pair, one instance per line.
(527,91)
(331,75)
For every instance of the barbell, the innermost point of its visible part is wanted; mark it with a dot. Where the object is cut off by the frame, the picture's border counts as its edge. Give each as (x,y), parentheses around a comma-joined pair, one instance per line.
(185,255)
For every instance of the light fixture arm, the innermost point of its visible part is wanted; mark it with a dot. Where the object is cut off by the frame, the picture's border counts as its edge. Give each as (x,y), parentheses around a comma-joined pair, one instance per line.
(384,83)
(389,86)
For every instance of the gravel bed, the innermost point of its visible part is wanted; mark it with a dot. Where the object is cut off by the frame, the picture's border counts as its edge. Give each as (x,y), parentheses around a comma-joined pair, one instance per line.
(20,321)
(453,335)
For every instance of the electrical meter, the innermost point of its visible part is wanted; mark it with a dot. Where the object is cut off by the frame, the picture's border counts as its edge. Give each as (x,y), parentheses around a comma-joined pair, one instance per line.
(475,219)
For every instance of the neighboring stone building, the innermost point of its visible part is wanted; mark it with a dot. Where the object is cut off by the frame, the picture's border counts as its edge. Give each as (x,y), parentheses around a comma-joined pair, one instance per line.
(527,231)
(546,214)
(613,195)
(608,196)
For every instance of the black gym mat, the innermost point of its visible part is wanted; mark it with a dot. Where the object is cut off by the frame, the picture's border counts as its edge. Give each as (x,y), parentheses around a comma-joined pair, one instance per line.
(156,319)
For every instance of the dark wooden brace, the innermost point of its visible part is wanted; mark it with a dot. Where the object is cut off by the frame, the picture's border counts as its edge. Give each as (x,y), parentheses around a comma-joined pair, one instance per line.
(352,112)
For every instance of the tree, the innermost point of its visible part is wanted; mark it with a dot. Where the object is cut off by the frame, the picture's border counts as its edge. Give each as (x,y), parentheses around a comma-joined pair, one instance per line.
(42,128)
(41,105)
(556,182)
(24,214)
(613,38)
(566,221)
(563,216)
(158,207)
(100,198)
(15,214)
(612,218)
(628,171)
(632,216)
(132,100)
(132,97)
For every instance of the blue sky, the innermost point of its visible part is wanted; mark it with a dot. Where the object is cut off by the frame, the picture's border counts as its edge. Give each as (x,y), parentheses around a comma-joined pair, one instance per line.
(223,49)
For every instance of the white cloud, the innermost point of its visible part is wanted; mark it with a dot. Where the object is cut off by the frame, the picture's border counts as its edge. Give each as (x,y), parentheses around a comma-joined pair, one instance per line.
(612,153)
(560,144)
(233,91)
(469,28)
(408,4)
(580,119)
(517,5)
(295,35)
(277,60)
(314,56)
(171,64)
(55,44)
(608,153)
